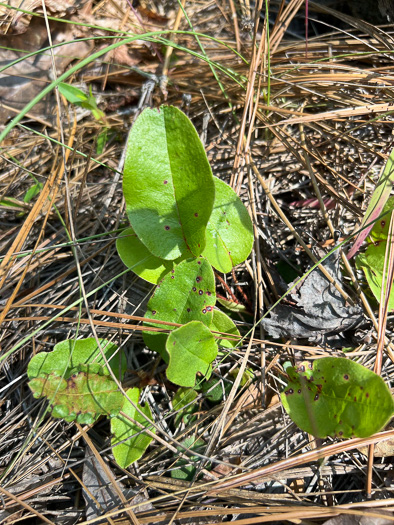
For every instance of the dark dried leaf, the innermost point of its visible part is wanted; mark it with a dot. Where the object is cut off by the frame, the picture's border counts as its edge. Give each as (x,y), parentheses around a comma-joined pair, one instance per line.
(320,313)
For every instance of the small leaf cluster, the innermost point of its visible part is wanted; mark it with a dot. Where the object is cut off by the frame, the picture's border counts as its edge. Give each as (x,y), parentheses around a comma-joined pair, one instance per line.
(78,380)
(184,222)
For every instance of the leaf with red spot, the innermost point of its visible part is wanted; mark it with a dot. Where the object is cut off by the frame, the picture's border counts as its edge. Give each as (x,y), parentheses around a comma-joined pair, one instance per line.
(380,229)
(167,183)
(191,349)
(229,237)
(337,397)
(186,293)
(82,397)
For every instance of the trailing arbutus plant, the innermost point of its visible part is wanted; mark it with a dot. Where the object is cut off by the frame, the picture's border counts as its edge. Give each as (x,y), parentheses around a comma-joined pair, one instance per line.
(183,223)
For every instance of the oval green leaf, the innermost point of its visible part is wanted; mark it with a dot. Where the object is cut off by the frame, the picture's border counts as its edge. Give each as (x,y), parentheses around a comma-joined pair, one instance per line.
(229,237)
(138,258)
(134,441)
(337,397)
(191,348)
(222,323)
(167,183)
(372,264)
(83,397)
(69,354)
(185,294)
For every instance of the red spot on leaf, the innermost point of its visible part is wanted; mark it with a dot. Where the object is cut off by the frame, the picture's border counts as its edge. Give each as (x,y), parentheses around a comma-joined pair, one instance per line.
(200,292)
(166,228)
(346,377)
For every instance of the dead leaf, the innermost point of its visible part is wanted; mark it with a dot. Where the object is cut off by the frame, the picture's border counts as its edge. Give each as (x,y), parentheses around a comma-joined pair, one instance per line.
(319,312)
(349,519)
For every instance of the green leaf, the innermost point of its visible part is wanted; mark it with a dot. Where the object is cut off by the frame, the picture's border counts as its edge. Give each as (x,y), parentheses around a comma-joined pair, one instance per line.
(337,397)
(231,306)
(247,376)
(72,94)
(222,323)
(32,192)
(191,348)
(69,354)
(167,183)
(372,264)
(186,469)
(229,238)
(79,98)
(214,389)
(185,294)
(101,141)
(123,429)
(10,202)
(380,229)
(378,200)
(184,397)
(138,258)
(83,397)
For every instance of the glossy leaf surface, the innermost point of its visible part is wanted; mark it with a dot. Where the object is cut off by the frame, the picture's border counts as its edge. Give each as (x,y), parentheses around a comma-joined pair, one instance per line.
(191,348)
(167,183)
(138,258)
(337,397)
(185,294)
(229,237)
(222,323)
(123,429)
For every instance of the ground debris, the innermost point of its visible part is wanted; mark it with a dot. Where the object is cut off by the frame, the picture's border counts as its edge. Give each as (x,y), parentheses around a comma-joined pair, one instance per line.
(319,313)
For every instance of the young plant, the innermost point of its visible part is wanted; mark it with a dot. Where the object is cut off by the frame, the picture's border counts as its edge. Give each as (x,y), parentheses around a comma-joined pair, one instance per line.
(79,98)
(184,221)
(79,386)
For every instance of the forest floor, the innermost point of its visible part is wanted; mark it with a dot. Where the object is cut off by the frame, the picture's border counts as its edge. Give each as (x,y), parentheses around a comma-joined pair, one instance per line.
(301,130)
